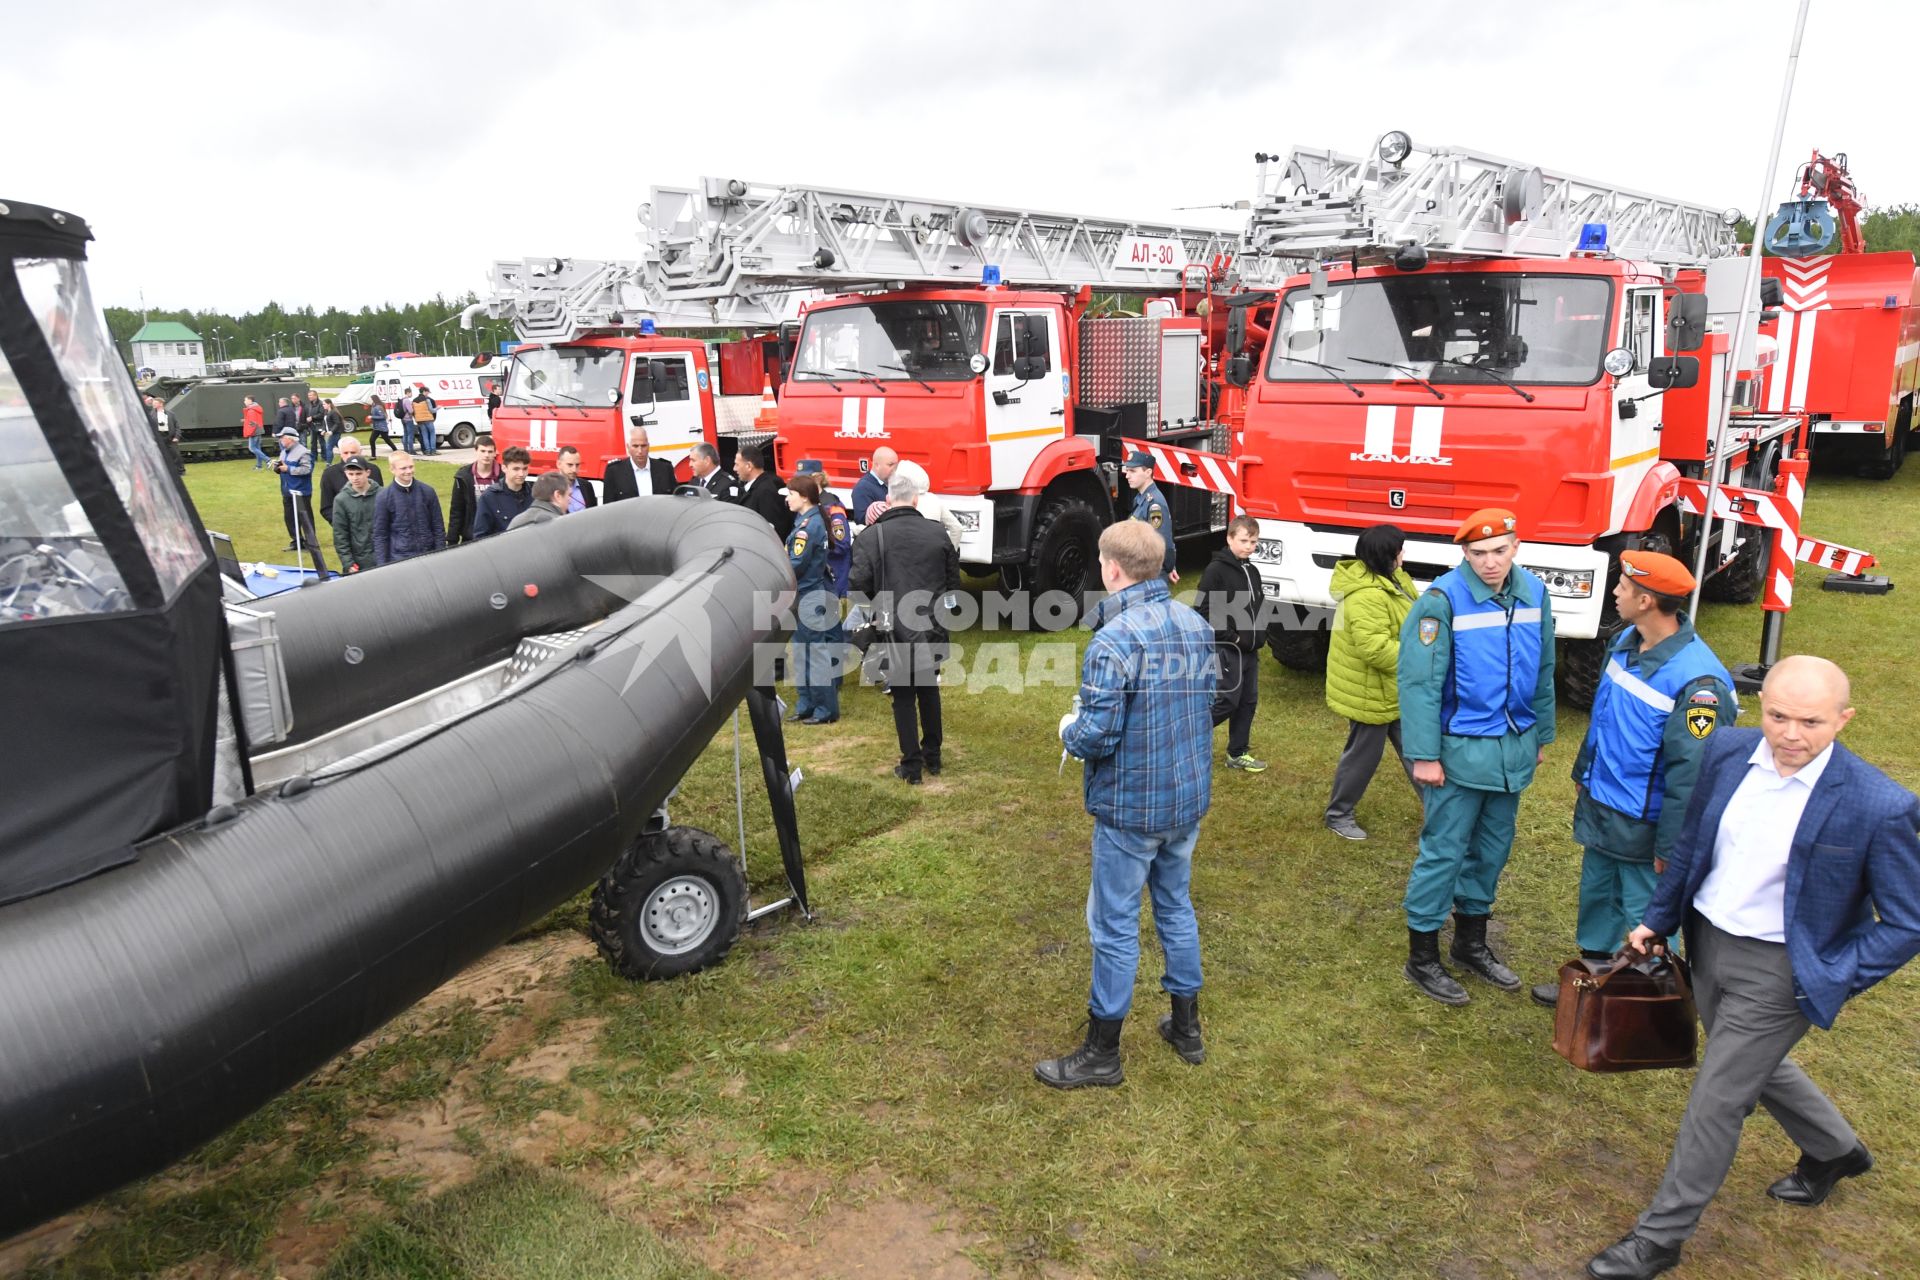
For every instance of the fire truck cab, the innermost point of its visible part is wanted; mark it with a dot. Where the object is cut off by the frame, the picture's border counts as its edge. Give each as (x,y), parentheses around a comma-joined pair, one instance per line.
(1015,402)
(590,392)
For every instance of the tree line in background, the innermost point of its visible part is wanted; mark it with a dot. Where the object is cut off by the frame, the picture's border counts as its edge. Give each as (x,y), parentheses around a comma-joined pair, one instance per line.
(433,327)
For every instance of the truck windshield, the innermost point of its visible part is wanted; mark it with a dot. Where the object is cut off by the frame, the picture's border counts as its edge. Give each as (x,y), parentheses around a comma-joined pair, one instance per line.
(1447,327)
(580,376)
(891,341)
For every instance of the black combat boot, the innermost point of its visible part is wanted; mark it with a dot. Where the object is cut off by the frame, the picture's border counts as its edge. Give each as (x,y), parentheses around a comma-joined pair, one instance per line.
(1097,1062)
(1181,1029)
(1426,972)
(1470,950)
(1548,993)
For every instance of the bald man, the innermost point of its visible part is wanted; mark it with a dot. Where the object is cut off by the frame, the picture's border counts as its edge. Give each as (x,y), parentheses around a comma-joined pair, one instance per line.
(1796,878)
(872,487)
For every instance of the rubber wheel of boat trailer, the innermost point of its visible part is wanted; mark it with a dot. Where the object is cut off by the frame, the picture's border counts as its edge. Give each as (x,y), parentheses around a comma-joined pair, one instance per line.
(1299,650)
(673,904)
(462,436)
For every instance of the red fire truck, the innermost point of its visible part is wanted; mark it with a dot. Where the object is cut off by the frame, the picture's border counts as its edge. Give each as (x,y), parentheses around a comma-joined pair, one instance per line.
(1477,332)
(963,337)
(1848,328)
(592,364)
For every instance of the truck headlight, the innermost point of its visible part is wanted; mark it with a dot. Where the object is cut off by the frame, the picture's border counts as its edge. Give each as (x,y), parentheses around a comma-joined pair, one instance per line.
(1574,583)
(1268,550)
(969,520)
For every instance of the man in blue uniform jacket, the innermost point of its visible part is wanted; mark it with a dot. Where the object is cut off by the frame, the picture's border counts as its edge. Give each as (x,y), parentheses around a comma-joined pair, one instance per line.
(1150,505)
(1662,695)
(1476,709)
(1797,879)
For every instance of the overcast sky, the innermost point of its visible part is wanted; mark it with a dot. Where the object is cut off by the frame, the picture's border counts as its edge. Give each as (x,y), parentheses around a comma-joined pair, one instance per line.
(227,155)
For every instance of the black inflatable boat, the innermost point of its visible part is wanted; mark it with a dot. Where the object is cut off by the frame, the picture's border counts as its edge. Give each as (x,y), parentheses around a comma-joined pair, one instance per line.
(235,835)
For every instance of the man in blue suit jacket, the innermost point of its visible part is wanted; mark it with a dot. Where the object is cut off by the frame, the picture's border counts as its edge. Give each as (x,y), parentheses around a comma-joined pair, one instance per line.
(1791,846)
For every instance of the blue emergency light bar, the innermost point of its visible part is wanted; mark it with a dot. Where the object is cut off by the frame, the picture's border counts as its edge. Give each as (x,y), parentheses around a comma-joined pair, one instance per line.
(1593,238)
(990,274)
(646,328)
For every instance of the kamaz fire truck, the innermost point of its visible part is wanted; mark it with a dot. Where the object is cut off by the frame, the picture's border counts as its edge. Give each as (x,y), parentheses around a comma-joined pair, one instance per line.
(962,336)
(1478,332)
(1848,327)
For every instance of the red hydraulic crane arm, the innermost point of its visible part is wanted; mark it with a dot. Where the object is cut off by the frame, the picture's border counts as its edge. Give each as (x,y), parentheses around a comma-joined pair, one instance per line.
(1827,179)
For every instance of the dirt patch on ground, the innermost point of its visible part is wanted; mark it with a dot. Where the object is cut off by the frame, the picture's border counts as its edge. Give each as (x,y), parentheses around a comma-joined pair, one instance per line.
(797,1223)
(515,971)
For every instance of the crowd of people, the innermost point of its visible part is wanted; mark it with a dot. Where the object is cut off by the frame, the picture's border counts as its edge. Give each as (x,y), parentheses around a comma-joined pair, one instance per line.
(1791,896)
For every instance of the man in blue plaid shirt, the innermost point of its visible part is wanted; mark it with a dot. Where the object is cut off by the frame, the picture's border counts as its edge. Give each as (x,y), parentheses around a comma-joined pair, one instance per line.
(1143,725)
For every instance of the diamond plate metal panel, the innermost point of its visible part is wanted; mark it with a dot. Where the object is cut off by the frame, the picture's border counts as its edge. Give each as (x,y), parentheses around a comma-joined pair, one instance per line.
(1120,363)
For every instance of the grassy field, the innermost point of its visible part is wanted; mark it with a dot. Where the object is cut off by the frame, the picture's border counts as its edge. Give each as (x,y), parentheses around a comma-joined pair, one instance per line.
(853,1096)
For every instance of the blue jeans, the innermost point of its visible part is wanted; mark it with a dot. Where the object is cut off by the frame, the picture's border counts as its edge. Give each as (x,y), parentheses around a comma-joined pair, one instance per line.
(407,434)
(259,455)
(429,440)
(1123,863)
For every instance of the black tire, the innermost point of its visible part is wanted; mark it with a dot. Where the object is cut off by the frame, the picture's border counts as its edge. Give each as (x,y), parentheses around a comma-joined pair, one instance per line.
(1299,650)
(1887,464)
(673,904)
(1741,581)
(352,422)
(1065,553)
(462,436)
(1580,662)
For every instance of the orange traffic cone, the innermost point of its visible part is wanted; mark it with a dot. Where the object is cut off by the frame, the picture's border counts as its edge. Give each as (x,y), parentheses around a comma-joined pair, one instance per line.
(769,416)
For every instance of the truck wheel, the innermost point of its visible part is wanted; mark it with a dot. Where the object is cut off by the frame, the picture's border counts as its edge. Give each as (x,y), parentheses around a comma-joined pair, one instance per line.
(1741,581)
(1299,650)
(673,904)
(1887,464)
(1580,662)
(352,422)
(1066,549)
(462,436)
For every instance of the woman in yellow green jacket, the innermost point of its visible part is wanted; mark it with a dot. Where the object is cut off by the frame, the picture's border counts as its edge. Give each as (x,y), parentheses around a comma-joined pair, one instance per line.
(1375,595)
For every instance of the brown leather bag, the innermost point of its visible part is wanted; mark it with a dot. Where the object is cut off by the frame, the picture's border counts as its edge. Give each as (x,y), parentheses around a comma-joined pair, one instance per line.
(1631,1013)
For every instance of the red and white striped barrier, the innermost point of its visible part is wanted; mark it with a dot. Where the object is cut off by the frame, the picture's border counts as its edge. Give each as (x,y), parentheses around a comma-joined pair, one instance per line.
(1780,512)
(1190,468)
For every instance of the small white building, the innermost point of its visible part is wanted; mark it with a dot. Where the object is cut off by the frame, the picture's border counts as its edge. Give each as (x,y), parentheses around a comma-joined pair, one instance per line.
(170,349)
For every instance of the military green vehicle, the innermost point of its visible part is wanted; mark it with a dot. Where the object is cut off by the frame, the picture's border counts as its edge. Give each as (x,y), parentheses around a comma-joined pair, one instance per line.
(208,411)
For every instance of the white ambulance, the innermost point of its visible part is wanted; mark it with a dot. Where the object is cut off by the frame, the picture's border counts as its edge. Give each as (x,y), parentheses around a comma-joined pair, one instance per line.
(458,386)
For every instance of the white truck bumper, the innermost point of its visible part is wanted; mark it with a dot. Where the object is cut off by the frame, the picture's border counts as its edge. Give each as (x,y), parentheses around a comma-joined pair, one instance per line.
(1296,568)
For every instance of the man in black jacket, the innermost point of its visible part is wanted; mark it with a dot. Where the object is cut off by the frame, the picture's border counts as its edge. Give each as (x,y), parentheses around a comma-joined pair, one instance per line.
(469,482)
(639,473)
(704,462)
(764,492)
(334,478)
(506,497)
(1230,598)
(911,557)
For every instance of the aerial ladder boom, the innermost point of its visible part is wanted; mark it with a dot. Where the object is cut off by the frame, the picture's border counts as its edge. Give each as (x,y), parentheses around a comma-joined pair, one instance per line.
(1451,201)
(731,254)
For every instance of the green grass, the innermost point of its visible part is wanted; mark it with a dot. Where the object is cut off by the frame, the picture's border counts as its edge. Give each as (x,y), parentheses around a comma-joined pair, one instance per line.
(1342,1126)
(512,1222)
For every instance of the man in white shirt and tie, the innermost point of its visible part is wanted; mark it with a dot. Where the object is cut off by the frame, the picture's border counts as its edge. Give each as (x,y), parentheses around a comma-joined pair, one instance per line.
(1797,880)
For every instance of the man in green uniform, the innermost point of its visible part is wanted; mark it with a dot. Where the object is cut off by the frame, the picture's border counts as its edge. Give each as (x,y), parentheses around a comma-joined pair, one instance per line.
(1662,694)
(1476,709)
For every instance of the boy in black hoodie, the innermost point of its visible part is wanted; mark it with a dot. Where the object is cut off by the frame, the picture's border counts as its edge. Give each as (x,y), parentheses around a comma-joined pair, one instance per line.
(1230,598)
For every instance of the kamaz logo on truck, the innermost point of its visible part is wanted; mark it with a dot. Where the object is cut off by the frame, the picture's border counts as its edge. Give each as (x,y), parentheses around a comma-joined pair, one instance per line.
(1382,442)
(863,419)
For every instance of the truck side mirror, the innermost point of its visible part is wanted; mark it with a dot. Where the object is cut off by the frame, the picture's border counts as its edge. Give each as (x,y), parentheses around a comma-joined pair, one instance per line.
(1770,295)
(1027,368)
(1239,369)
(1670,373)
(1236,328)
(1687,322)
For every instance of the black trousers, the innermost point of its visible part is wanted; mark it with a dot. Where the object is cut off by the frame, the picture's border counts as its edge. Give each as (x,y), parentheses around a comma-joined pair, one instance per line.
(916,719)
(1237,695)
(299,507)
